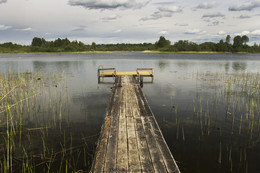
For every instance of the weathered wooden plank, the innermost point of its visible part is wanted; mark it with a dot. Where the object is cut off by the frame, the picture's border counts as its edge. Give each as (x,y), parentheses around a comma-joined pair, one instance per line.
(166,153)
(133,154)
(156,157)
(110,159)
(99,161)
(143,150)
(122,160)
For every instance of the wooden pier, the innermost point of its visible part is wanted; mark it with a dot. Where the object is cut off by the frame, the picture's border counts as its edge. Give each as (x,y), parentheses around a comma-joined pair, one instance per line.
(139,73)
(130,138)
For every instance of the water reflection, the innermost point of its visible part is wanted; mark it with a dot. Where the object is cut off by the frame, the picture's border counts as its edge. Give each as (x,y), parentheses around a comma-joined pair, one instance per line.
(162,64)
(196,99)
(239,66)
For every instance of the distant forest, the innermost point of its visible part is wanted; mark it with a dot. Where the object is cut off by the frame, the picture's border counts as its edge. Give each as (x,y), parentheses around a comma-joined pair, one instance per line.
(239,44)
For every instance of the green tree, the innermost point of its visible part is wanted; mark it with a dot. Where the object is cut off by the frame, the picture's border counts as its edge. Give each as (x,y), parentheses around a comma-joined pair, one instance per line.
(38,42)
(228,39)
(245,39)
(93,46)
(237,42)
(162,43)
(221,46)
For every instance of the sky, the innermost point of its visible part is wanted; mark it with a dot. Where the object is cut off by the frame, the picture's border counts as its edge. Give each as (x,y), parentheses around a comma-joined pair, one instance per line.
(128,21)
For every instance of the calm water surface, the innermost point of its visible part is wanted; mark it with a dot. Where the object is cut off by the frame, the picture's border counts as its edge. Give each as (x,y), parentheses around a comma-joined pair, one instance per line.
(207,105)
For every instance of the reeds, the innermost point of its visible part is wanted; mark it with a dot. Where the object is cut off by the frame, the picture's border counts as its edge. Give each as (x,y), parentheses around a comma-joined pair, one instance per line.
(225,117)
(35,125)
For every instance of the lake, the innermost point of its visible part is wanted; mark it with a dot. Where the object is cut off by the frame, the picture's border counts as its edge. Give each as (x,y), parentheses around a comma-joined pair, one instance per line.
(207,106)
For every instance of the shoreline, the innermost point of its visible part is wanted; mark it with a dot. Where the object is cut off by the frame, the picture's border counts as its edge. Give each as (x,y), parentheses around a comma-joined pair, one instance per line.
(146,51)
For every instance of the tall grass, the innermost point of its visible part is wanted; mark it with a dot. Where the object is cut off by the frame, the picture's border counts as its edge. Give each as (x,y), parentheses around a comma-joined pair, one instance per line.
(225,117)
(36,131)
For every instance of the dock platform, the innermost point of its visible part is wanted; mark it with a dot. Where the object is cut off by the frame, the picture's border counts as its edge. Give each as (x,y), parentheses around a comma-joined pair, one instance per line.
(130,138)
(111,72)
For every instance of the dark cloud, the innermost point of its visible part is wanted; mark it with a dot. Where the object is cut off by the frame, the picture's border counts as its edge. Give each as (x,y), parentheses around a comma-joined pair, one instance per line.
(165,3)
(214,23)
(206,5)
(213,15)
(3,1)
(108,4)
(163,12)
(244,17)
(249,6)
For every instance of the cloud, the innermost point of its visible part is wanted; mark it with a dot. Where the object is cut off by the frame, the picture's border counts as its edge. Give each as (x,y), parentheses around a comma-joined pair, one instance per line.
(248,6)
(25,29)
(118,31)
(213,15)
(181,24)
(4,27)
(255,32)
(244,17)
(206,5)
(165,3)
(194,31)
(163,32)
(80,28)
(108,4)
(112,17)
(3,1)
(243,33)
(214,23)
(163,12)
(222,32)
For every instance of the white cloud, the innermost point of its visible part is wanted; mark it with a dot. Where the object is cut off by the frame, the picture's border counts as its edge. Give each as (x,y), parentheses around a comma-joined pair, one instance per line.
(163,32)
(172,9)
(108,4)
(111,17)
(243,33)
(25,29)
(248,6)
(206,5)
(118,31)
(222,32)
(163,12)
(194,31)
(4,27)
(255,32)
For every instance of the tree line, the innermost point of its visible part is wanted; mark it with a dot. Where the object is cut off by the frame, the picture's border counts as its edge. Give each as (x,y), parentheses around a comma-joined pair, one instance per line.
(239,44)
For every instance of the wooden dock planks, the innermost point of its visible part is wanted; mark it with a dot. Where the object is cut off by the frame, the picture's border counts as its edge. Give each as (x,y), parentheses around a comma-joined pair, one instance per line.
(130,139)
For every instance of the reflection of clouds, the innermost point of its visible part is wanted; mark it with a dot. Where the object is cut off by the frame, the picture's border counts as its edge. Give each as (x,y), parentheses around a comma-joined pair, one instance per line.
(56,65)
